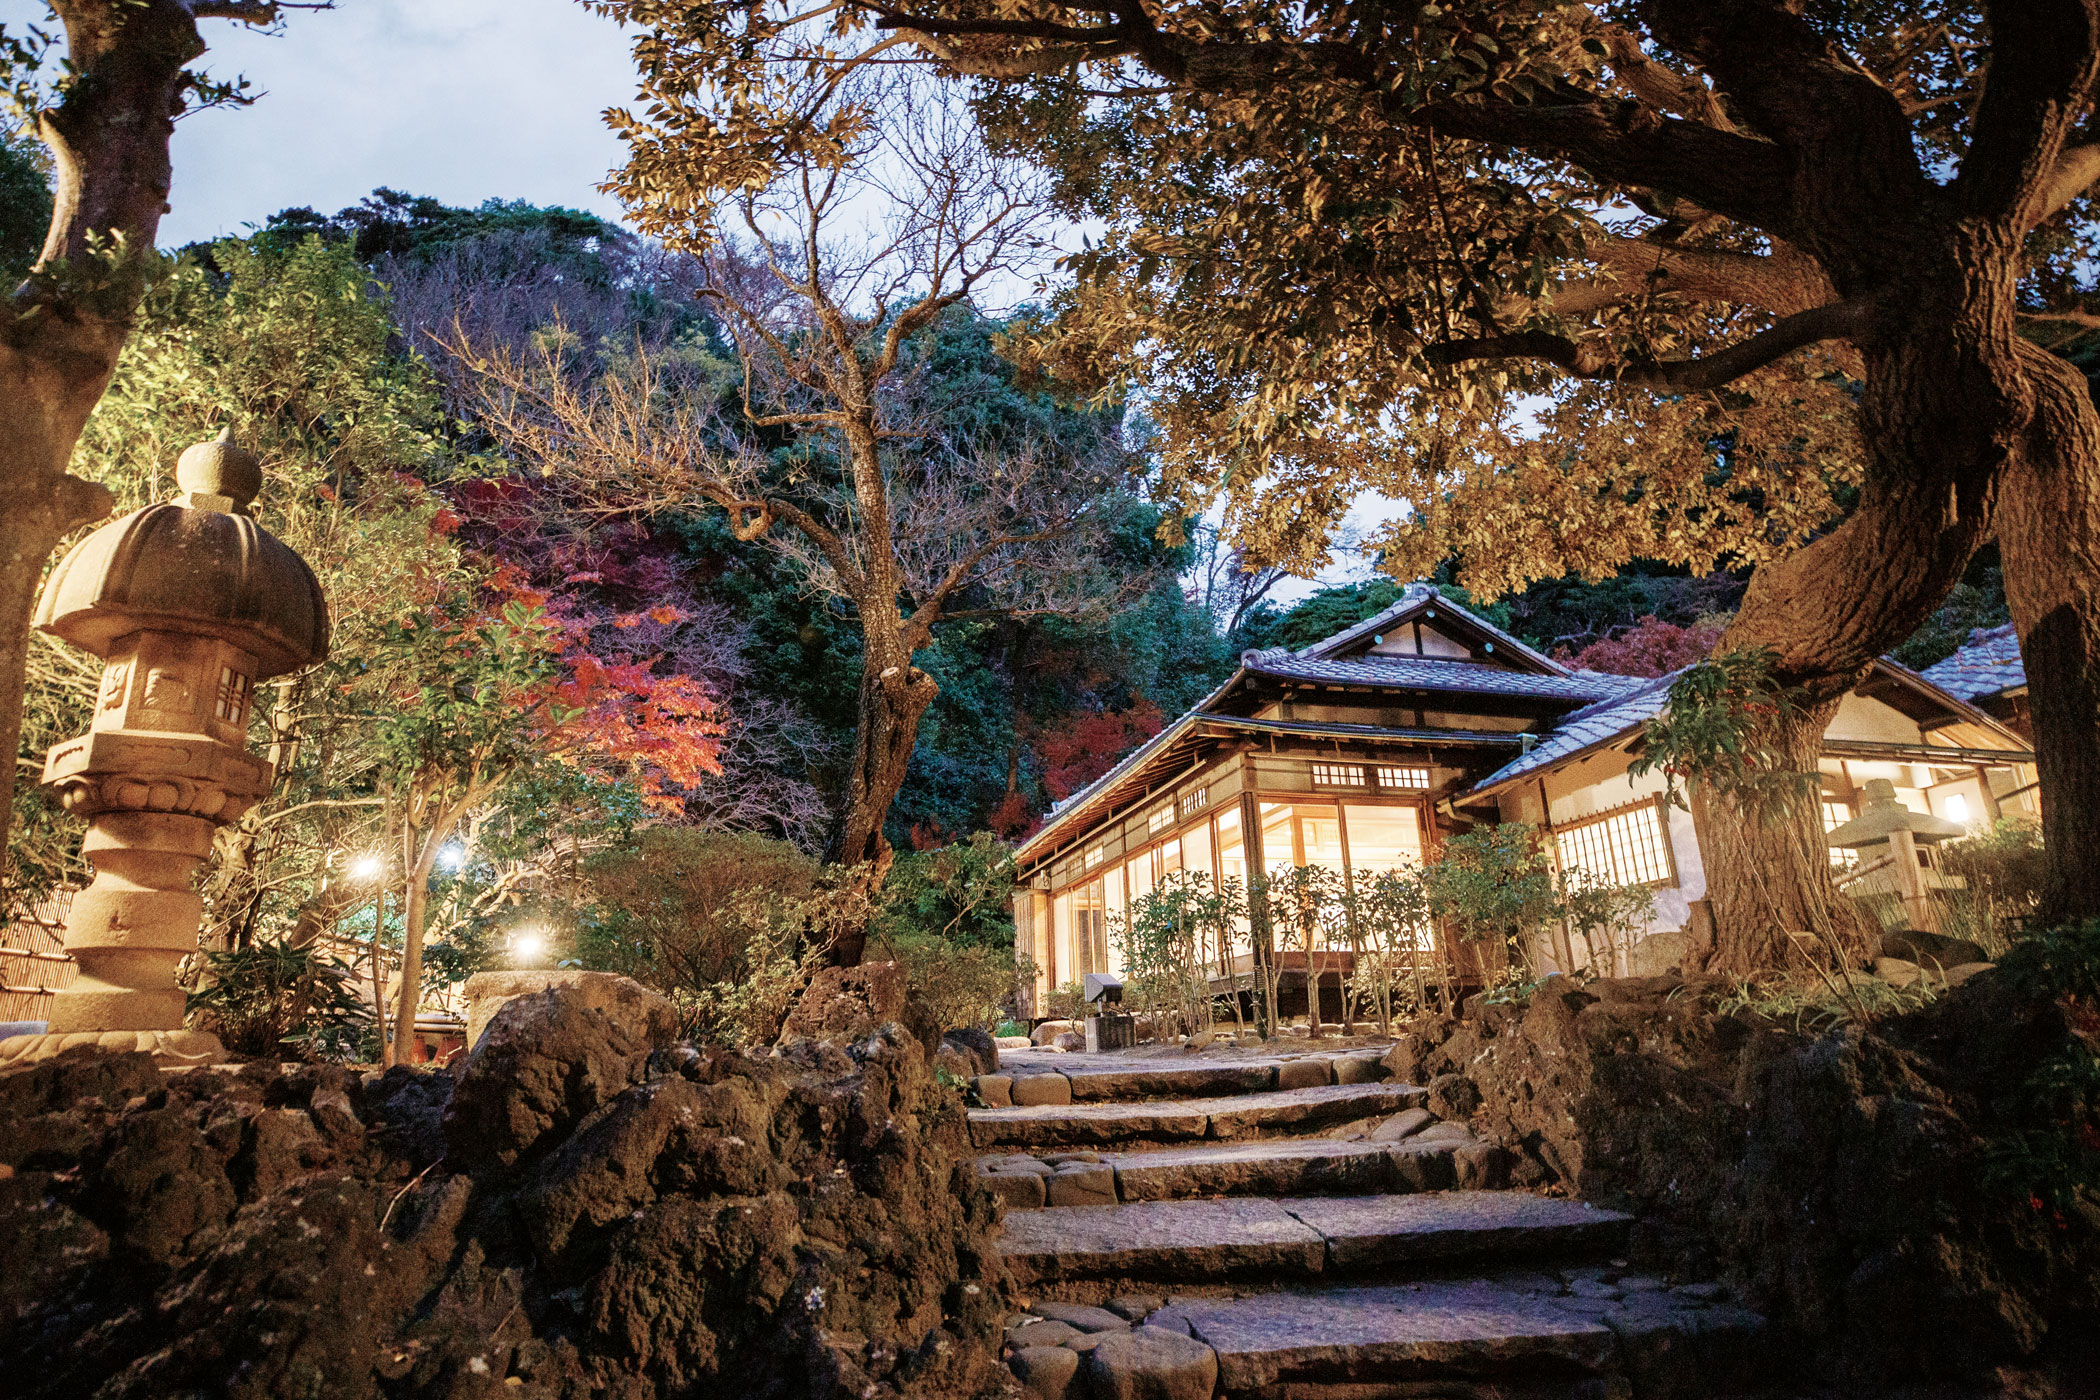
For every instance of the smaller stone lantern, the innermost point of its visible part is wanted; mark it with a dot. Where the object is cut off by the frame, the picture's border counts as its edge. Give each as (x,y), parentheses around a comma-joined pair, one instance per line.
(190,604)
(1885,821)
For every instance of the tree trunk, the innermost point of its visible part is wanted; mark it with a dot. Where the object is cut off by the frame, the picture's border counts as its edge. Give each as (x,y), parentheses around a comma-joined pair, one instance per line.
(2049,530)
(894,696)
(414,913)
(39,504)
(108,138)
(1768,871)
(1946,402)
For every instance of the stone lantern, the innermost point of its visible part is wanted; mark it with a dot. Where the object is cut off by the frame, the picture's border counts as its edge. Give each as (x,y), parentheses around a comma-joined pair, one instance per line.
(191,605)
(1885,821)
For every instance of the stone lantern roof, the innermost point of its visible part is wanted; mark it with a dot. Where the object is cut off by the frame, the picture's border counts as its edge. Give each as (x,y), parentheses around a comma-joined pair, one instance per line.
(1884,815)
(197,564)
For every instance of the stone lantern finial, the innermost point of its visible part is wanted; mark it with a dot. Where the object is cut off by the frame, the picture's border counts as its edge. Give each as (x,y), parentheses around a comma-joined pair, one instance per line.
(219,475)
(189,603)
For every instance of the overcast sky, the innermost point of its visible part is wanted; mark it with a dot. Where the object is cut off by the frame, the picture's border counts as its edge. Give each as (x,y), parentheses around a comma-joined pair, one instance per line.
(462,99)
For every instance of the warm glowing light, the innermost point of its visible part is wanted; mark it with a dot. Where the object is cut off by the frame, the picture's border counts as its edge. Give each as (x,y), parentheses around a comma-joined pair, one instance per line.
(452,857)
(1957,808)
(367,867)
(526,944)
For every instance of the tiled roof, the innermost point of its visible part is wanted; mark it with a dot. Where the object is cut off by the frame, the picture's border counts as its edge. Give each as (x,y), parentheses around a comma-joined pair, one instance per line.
(1423,673)
(1989,665)
(1586,728)
(1417,595)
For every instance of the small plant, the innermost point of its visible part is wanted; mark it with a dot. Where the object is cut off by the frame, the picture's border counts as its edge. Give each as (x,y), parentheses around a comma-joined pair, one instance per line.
(1601,912)
(1168,938)
(1392,931)
(263,997)
(2001,872)
(1305,908)
(1719,728)
(953,985)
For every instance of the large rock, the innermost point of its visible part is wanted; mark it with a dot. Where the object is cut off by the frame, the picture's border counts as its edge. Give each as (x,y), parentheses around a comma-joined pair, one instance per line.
(1047,1373)
(846,1003)
(1934,950)
(977,1046)
(1151,1363)
(624,998)
(546,1061)
(637,1224)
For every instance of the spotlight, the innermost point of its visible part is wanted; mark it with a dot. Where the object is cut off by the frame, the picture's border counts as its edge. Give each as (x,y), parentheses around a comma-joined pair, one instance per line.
(367,867)
(527,944)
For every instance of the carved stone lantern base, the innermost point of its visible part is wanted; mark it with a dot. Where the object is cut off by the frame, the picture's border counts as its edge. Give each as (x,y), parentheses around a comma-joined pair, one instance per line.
(129,930)
(169,1049)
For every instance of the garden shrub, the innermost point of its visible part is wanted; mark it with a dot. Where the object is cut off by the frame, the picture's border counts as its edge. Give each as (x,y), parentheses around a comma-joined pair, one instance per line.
(267,996)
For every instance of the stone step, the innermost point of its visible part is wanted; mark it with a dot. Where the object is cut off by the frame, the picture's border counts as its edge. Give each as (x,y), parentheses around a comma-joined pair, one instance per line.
(1300,1236)
(1167,1120)
(1526,1333)
(1263,1167)
(1042,1078)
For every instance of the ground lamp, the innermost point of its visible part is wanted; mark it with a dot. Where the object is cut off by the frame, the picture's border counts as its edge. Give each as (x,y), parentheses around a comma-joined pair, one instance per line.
(1885,821)
(190,604)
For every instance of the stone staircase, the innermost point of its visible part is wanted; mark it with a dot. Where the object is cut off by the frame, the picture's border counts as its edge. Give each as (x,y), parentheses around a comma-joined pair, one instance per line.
(1296,1227)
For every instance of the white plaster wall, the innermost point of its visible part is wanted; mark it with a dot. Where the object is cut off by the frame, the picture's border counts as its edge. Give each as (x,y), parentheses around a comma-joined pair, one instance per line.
(1861,718)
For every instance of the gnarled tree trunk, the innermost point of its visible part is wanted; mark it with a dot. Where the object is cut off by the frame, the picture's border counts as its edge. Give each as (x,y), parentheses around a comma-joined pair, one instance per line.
(2049,531)
(1768,871)
(894,696)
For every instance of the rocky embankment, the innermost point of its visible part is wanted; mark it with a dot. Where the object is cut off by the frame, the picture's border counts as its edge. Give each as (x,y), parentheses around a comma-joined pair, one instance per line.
(584,1209)
(1867,1190)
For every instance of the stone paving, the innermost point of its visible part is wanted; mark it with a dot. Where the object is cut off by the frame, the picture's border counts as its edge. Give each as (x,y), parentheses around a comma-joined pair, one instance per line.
(1287,1224)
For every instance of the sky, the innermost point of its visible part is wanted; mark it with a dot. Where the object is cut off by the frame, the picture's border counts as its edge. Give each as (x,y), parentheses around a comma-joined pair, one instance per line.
(462,99)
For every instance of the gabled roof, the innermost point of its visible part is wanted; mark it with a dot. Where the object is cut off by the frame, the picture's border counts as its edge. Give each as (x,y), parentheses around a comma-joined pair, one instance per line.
(1989,664)
(1614,721)
(1595,727)
(1419,673)
(1419,598)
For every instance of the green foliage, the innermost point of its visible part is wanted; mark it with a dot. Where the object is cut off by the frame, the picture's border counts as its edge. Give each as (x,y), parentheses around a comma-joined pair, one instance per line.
(1174,940)
(1812,1004)
(25,200)
(2002,871)
(390,223)
(260,999)
(2052,1158)
(1390,923)
(1607,917)
(1494,882)
(961,893)
(1721,728)
(951,985)
(660,907)
(781,938)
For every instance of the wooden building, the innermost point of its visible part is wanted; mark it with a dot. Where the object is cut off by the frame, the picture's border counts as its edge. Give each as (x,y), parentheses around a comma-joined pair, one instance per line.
(1365,751)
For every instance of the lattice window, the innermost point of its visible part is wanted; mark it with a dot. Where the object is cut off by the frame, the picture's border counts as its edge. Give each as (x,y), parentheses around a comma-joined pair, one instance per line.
(233,695)
(1160,819)
(1390,776)
(1627,847)
(1194,800)
(1338,775)
(1093,857)
(1835,815)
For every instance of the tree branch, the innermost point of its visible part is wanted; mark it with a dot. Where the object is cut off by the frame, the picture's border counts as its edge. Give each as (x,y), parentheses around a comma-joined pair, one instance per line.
(1839,320)
(2044,57)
